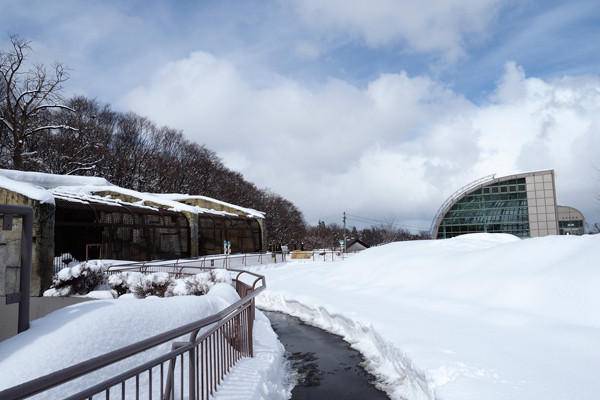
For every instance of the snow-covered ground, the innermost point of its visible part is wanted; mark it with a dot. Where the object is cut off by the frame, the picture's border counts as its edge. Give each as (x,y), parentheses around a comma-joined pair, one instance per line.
(83,331)
(474,317)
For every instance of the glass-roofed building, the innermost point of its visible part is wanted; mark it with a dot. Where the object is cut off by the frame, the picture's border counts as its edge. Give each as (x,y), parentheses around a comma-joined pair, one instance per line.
(523,205)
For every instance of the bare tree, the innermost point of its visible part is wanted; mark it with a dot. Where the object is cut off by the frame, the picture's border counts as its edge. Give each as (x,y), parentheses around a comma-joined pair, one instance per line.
(593,229)
(132,151)
(28,97)
(84,148)
(323,236)
(285,222)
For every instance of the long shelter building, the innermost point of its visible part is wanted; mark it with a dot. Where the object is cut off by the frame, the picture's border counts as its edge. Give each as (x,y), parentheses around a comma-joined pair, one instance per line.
(80,218)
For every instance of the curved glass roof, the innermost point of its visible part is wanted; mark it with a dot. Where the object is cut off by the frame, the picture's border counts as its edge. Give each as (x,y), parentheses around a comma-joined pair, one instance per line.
(498,207)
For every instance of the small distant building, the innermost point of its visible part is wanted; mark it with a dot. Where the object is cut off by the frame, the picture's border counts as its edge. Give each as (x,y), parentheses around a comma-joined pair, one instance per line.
(356,245)
(523,205)
(570,221)
(87,217)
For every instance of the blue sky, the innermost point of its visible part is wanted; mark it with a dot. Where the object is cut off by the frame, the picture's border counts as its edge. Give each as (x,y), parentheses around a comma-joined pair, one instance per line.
(381,109)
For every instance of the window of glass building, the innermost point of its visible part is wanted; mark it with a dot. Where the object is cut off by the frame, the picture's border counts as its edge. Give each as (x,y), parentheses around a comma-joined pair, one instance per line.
(500,207)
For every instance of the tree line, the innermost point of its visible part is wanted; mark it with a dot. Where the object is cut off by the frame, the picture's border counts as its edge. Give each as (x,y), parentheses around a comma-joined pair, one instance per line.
(42,131)
(327,236)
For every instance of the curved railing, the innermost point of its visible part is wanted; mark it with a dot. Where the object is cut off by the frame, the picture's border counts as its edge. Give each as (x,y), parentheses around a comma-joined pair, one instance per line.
(450,200)
(227,261)
(204,358)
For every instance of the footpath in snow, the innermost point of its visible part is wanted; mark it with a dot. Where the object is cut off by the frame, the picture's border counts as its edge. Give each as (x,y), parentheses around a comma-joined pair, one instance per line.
(323,366)
(475,317)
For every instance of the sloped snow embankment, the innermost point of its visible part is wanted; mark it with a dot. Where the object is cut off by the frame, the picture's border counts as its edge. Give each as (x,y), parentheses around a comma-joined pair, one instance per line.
(83,331)
(478,316)
(396,373)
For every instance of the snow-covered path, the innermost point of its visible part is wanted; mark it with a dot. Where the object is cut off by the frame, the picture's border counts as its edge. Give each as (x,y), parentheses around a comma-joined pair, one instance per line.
(479,316)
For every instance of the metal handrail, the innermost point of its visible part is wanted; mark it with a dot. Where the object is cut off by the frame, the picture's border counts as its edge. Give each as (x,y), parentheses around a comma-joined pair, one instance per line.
(65,375)
(221,260)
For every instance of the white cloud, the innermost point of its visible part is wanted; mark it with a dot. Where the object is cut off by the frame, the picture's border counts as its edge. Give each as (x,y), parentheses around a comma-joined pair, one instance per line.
(399,146)
(441,26)
(395,145)
(307,51)
(534,124)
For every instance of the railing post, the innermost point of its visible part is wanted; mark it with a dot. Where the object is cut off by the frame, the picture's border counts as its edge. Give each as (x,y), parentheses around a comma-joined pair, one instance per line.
(170,384)
(192,373)
(251,312)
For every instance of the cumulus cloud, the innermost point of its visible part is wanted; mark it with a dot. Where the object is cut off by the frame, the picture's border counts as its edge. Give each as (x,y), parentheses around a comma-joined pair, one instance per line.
(440,26)
(549,124)
(347,137)
(394,148)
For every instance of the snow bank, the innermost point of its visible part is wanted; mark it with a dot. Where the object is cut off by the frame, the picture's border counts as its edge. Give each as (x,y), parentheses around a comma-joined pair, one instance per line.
(86,330)
(478,316)
(474,317)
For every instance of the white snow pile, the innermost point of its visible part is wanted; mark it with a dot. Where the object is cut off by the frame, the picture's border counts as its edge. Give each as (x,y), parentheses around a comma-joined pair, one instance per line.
(79,278)
(80,332)
(200,283)
(89,279)
(475,317)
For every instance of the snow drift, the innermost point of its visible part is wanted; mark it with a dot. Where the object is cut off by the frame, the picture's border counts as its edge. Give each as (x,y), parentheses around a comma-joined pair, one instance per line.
(474,317)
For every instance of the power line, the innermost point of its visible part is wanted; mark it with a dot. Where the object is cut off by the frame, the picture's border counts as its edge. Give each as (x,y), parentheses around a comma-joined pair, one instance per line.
(358,218)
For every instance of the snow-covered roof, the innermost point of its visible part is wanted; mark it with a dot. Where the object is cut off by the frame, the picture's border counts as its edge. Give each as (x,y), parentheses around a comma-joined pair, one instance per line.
(47,187)
(191,198)
(50,181)
(26,189)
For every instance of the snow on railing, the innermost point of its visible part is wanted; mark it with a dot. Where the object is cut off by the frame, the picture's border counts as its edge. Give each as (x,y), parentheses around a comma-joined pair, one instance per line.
(227,261)
(186,266)
(204,359)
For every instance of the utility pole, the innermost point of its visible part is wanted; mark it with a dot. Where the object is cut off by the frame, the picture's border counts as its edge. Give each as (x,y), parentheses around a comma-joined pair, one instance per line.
(344,249)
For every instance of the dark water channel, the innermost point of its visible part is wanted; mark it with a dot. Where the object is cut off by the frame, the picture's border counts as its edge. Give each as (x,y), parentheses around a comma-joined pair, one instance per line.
(326,367)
